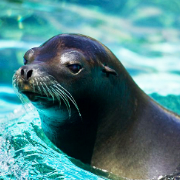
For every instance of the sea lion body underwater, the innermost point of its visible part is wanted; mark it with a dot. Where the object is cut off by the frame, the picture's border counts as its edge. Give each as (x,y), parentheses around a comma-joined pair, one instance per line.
(93,111)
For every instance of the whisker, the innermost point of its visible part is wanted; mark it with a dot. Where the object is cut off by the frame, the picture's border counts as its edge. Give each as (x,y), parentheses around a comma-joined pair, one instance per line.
(46,85)
(50,92)
(56,94)
(16,85)
(44,89)
(64,92)
(65,100)
(33,86)
(68,95)
(39,89)
(47,89)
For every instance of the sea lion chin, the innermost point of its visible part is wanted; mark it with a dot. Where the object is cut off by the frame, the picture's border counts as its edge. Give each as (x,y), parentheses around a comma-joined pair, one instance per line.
(92,109)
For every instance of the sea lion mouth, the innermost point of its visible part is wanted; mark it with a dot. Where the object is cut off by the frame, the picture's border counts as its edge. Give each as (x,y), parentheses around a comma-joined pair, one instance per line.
(34,97)
(43,90)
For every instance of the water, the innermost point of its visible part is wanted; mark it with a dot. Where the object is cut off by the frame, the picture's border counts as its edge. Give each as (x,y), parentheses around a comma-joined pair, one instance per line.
(144,35)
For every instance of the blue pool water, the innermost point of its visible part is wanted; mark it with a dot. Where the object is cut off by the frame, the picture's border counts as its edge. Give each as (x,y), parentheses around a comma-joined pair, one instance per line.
(144,35)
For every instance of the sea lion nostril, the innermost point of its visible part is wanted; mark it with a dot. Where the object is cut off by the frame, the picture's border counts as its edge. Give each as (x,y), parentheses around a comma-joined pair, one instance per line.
(29,74)
(22,72)
(26,74)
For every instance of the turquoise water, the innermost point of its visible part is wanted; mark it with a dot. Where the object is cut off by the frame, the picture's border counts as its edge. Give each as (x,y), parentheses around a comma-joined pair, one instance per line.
(144,35)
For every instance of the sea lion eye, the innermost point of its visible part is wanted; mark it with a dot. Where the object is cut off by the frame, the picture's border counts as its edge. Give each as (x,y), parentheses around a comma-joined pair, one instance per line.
(25,61)
(74,67)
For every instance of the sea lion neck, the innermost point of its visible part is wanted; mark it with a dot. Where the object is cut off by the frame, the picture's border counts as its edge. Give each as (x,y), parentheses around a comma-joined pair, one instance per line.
(74,135)
(148,139)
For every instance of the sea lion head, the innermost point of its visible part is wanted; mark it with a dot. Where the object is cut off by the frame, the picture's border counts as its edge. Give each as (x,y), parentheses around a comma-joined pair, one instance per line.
(74,82)
(63,71)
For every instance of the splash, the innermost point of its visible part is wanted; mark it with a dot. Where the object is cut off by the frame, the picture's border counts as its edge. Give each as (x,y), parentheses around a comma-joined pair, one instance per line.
(10,165)
(26,153)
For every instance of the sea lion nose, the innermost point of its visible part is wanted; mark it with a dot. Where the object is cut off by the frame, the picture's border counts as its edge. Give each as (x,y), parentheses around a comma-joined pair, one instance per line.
(26,72)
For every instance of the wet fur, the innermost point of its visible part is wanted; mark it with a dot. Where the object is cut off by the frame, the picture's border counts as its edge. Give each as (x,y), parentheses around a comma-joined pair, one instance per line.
(123,130)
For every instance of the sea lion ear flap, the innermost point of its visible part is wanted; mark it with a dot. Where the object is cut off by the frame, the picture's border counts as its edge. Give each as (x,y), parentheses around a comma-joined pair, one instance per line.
(106,69)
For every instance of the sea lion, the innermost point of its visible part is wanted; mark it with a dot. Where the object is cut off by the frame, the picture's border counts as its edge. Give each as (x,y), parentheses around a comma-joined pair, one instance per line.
(91,108)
